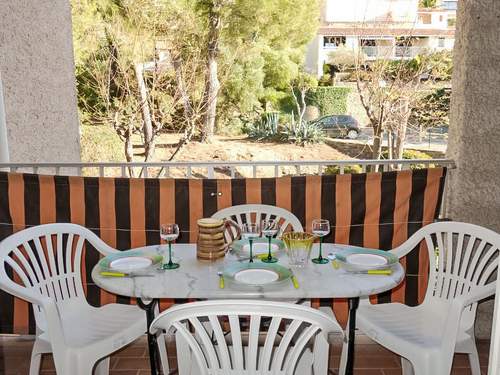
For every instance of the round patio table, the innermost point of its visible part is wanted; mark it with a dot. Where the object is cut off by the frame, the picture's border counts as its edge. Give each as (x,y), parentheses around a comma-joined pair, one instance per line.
(197,279)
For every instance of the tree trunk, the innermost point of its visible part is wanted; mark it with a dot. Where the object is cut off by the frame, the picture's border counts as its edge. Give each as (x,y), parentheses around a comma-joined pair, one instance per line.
(189,114)
(212,84)
(147,129)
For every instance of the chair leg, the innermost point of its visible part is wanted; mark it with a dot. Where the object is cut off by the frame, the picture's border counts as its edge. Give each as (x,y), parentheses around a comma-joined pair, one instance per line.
(36,359)
(474,362)
(343,358)
(102,367)
(406,366)
(39,348)
(162,350)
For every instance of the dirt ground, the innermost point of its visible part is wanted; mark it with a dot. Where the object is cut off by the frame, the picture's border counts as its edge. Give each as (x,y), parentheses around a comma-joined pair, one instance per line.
(239,148)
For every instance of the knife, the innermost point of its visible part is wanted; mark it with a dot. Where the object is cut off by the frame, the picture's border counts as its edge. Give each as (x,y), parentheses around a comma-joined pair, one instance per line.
(372,272)
(123,274)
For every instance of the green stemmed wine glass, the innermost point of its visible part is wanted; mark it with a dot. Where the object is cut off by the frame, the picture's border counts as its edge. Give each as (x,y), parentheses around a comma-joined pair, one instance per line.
(320,228)
(169,233)
(269,230)
(250,232)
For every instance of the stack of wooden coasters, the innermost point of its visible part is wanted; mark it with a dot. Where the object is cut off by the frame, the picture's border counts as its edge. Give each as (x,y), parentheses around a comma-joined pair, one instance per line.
(211,244)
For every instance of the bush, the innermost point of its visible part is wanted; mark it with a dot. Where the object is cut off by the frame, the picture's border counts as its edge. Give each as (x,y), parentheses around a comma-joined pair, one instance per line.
(302,134)
(331,100)
(265,128)
(412,155)
(335,169)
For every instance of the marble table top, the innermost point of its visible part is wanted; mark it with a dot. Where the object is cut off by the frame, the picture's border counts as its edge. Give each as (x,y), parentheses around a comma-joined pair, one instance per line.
(197,279)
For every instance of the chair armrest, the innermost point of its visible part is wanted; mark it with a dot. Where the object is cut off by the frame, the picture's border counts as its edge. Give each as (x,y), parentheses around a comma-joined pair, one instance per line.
(407,246)
(477,294)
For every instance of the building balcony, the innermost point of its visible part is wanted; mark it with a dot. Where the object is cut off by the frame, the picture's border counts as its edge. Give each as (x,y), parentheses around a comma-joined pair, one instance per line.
(393,52)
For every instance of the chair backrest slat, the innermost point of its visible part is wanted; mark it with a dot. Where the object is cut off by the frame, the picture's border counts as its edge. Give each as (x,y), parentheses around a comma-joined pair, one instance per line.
(255,213)
(300,325)
(234,324)
(45,266)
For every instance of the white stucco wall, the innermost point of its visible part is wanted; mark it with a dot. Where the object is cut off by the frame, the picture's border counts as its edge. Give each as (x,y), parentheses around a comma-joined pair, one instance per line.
(366,10)
(474,139)
(37,67)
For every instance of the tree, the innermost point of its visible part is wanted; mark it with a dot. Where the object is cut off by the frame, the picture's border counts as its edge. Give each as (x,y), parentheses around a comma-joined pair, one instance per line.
(299,87)
(145,66)
(389,90)
(428,3)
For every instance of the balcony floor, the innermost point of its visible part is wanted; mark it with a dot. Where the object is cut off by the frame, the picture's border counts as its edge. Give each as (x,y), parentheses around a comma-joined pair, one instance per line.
(371,358)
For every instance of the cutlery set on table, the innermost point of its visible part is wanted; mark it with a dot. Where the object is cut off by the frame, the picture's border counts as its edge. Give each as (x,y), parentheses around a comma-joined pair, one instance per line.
(254,261)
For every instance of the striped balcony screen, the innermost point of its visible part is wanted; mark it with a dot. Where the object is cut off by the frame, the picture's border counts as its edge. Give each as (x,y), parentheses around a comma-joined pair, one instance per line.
(377,210)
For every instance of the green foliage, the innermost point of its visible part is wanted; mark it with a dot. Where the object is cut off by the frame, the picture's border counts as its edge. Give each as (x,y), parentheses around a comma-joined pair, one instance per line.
(100,142)
(335,169)
(331,100)
(266,128)
(432,109)
(302,134)
(412,155)
(428,3)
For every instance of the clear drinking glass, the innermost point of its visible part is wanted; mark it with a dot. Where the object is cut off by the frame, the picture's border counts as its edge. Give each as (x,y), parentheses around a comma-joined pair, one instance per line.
(298,247)
(169,233)
(269,229)
(320,228)
(250,232)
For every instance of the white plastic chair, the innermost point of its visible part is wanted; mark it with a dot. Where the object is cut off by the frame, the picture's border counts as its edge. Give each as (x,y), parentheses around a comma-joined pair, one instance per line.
(254,213)
(46,259)
(462,259)
(202,341)
(494,359)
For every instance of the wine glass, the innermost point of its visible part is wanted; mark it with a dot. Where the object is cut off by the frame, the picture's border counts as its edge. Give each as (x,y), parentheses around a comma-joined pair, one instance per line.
(169,233)
(320,228)
(269,230)
(249,232)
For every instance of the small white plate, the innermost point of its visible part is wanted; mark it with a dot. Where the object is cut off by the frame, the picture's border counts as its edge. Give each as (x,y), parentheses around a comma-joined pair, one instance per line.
(366,260)
(256,276)
(127,264)
(259,248)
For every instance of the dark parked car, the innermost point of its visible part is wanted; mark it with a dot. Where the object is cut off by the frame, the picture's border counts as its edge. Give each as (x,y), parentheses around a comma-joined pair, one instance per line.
(339,126)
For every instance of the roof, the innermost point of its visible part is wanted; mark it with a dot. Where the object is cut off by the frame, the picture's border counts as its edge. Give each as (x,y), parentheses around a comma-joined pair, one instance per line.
(371,30)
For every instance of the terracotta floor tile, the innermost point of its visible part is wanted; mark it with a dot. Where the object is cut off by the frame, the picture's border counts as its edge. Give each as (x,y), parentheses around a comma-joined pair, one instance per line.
(371,358)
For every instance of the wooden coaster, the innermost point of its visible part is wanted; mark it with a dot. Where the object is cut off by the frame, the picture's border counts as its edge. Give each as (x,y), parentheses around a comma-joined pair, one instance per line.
(210,249)
(211,243)
(210,230)
(210,236)
(210,256)
(209,222)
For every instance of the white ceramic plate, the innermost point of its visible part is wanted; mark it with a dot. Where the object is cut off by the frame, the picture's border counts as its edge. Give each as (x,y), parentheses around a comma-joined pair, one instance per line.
(127,264)
(256,276)
(259,248)
(366,260)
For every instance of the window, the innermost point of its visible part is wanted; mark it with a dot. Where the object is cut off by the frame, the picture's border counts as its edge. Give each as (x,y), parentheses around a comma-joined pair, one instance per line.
(441,42)
(425,18)
(450,5)
(333,41)
(440,18)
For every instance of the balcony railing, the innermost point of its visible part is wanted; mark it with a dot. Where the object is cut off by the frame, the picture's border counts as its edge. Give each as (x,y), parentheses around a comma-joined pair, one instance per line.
(393,52)
(222,169)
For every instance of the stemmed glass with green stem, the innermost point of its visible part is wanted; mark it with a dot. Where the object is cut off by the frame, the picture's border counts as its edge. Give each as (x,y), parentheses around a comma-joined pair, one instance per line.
(250,232)
(320,228)
(269,230)
(169,233)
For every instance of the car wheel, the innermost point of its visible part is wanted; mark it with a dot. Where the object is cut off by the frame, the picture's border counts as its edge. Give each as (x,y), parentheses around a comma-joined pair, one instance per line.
(352,134)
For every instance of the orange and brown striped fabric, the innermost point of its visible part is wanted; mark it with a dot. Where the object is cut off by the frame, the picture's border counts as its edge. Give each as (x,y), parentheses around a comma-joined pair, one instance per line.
(377,210)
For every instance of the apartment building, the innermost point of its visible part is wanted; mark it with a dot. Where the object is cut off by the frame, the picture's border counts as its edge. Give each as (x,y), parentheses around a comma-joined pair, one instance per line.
(392,29)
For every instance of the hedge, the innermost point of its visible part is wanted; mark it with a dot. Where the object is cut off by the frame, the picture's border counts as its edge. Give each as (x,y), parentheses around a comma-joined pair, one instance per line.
(330,100)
